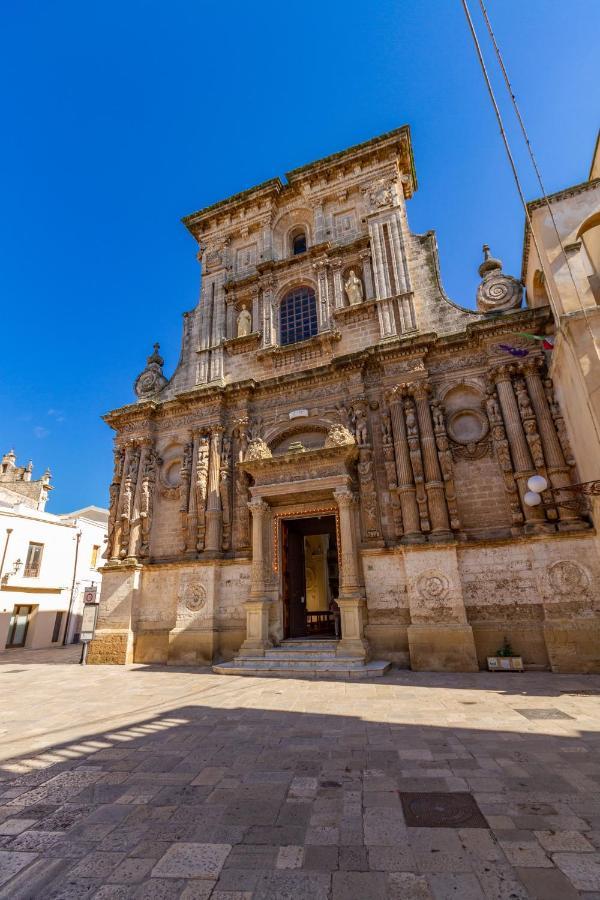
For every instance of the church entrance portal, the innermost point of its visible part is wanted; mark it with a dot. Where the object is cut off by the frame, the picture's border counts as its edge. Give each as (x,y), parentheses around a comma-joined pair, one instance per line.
(310,577)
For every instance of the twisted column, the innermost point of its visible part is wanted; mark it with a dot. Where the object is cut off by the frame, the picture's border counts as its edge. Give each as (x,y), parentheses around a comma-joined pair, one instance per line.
(406,487)
(118,532)
(519,448)
(434,484)
(189,496)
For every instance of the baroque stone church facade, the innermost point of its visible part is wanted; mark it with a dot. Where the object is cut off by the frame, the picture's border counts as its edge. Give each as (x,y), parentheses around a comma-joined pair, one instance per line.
(342,451)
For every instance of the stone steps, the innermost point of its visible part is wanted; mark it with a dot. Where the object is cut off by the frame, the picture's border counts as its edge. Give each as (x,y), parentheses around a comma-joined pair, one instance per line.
(303,658)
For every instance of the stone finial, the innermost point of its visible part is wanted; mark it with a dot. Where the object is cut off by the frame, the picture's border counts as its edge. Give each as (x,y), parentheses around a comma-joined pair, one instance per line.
(497,292)
(151,381)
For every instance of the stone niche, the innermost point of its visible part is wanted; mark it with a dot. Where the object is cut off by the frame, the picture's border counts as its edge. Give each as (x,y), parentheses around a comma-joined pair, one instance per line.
(310,439)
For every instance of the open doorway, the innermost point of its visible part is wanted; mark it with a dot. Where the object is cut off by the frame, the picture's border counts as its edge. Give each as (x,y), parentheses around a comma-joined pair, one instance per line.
(310,577)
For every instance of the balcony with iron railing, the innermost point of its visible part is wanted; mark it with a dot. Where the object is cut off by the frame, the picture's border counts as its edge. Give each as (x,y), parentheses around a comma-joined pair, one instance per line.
(32,570)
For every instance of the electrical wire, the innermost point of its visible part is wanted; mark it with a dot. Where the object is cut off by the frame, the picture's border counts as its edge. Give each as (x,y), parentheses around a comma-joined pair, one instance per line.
(540,182)
(529,148)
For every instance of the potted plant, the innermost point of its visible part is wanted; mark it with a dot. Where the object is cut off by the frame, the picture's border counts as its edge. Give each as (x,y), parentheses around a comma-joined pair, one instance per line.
(505,660)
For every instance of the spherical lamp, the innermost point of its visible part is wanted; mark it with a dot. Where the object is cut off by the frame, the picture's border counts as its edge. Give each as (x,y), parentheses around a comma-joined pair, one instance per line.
(537,483)
(532,498)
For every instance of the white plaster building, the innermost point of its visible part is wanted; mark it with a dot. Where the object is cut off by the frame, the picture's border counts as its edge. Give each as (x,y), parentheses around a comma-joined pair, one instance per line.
(46,563)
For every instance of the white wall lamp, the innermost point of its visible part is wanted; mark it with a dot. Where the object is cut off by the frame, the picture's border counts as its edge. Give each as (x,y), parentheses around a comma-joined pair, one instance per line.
(573,496)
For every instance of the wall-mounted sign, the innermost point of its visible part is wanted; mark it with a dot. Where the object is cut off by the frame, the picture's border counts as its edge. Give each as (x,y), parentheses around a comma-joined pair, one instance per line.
(89,595)
(299,414)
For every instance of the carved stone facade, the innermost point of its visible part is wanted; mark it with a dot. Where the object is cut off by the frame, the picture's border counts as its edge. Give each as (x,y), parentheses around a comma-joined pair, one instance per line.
(325,375)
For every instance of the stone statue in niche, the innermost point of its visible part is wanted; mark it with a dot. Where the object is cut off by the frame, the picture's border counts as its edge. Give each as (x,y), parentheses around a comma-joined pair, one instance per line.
(354,289)
(411,419)
(438,416)
(360,426)
(535,443)
(493,410)
(386,428)
(523,400)
(244,322)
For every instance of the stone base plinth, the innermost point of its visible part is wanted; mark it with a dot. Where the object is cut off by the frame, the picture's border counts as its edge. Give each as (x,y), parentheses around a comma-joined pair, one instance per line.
(190,648)
(257,627)
(151,647)
(352,641)
(573,647)
(442,648)
(111,648)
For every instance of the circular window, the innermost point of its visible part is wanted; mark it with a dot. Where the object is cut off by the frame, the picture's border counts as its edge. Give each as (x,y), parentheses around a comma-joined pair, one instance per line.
(172,474)
(467,426)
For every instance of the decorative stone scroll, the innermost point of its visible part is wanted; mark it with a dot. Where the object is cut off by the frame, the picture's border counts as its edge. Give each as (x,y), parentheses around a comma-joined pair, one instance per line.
(497,292)
(151,380)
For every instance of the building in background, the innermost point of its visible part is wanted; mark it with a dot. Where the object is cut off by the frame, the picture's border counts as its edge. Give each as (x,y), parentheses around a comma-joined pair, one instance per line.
(46,562)
(342,445)
(567,230)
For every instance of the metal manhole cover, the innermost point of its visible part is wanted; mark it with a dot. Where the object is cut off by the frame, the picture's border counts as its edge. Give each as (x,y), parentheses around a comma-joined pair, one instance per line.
(440,810)
(543,713)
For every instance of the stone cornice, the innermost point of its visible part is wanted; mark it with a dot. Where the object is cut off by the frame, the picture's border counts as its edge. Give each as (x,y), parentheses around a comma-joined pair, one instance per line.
(392,145)
(213,401)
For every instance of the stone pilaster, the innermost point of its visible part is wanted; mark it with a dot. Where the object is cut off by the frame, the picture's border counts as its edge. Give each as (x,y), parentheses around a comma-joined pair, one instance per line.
(258,604)
(214,516)
(434,485)
(535,519)
(406,486)
(351,600)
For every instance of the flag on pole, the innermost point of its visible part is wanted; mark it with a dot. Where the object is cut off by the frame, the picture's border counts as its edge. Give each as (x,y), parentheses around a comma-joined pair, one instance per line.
(547,342)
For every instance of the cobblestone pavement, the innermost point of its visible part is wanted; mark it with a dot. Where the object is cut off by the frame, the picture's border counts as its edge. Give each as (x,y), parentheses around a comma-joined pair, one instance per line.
(152,782)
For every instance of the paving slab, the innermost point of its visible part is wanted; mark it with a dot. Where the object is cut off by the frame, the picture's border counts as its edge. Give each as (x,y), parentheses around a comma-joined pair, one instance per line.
(186,784)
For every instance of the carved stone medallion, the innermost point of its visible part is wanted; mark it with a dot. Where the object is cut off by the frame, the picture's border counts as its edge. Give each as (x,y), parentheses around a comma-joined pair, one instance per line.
(568,578)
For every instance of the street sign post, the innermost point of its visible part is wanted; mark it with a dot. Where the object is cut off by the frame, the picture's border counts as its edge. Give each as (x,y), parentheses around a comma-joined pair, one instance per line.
(88,626)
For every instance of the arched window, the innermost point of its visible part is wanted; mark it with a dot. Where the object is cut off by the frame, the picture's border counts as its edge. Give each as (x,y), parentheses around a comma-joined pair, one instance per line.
(298,316)
(298,241)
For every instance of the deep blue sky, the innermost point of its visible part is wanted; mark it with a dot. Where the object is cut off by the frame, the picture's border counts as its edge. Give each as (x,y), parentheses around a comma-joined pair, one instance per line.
(118,118)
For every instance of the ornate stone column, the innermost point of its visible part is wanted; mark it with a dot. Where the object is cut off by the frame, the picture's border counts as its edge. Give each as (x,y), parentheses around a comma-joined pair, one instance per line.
(320,268)
(434,484)
(535,519)
(268,325)
(351,600)
(338,286)
(189,499)
(557,468)
(118,529)
(212,543)
(406,487)
(114,493)
(135,528)
(258,604)
(365,258)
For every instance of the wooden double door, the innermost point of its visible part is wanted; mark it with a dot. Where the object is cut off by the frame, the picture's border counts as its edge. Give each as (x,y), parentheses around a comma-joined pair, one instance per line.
(300,620)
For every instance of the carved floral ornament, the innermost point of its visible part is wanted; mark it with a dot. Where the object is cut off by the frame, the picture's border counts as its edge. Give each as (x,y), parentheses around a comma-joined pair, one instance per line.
(192,598)
(497,292)
(433,586)
(569,578)
(151,380)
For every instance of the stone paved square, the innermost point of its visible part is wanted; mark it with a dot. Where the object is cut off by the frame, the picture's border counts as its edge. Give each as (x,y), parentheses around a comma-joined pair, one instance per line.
(180,783)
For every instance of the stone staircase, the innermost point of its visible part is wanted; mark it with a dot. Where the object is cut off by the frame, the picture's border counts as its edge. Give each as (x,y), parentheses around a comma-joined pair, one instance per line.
(303,658)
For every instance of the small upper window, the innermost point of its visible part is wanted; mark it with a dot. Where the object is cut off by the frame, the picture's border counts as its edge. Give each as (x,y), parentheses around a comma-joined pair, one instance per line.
(94,557)
(34,560)
(298,241)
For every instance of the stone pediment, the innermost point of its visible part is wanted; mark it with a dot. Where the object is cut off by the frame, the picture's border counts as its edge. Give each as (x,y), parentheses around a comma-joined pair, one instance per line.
(302,465)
